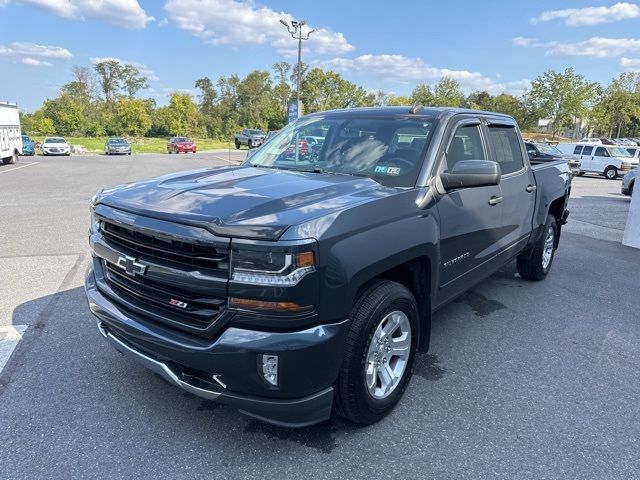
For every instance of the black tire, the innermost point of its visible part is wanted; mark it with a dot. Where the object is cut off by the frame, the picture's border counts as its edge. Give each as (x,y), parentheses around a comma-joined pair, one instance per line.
(581,174)
(12,159)
(631,189)
(530,263)
(352,398)
(611,173)
(249,144)
(237,145)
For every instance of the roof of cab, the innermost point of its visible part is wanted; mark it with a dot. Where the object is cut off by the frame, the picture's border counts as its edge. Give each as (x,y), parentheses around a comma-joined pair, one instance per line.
(436,112)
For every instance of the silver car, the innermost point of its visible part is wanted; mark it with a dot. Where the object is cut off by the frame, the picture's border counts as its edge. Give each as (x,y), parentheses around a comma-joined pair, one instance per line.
(628,181)
(115,146)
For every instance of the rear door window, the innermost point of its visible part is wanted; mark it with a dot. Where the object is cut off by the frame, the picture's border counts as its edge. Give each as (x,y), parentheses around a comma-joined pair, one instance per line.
(587,150)
(577,150)
(506,148)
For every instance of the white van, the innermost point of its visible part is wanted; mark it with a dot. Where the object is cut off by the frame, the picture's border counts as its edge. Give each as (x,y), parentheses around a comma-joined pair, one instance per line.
(10,134)
(607,160)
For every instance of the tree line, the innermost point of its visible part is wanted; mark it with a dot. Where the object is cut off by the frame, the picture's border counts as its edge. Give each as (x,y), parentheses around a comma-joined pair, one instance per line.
(104,100)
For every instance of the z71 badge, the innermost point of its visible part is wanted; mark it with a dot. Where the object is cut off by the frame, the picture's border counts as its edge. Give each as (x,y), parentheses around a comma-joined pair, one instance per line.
(178,303)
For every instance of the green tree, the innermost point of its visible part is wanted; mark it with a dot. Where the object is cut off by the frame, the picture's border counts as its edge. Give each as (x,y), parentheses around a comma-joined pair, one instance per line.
(326,90)
(183,117)
(447,93)
(562,97)
(130,117)
(110,75)
(422,95)
(65,113)
(132,80)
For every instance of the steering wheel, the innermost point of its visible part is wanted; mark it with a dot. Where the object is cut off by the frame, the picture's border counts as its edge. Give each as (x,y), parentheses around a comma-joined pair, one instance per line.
(401,162)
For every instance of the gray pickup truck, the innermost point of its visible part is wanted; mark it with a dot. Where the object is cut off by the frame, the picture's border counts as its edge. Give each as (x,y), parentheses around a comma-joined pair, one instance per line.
(296,285)
(249,137)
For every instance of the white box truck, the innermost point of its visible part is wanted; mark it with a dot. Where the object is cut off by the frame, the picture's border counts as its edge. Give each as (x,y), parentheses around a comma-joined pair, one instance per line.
(10,134)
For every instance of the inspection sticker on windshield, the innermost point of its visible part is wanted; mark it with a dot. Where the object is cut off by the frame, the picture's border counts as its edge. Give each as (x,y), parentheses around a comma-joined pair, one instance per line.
(388,170)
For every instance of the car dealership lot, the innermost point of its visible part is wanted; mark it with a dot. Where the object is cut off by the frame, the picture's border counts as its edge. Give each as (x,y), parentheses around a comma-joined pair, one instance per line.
(523,380)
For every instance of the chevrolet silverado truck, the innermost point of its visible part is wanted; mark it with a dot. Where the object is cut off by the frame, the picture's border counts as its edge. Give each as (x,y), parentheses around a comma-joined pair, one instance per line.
(250,138)
(291,287)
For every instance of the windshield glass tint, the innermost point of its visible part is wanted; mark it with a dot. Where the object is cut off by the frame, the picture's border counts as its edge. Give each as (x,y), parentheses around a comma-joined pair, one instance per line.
(618,152)
(256,132)
(386,150)
(548,149)
(117,141)
(182,139)
(54,140)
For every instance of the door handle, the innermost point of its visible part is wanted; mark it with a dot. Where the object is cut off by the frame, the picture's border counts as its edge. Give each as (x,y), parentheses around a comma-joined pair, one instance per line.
(494,200)
(531,188)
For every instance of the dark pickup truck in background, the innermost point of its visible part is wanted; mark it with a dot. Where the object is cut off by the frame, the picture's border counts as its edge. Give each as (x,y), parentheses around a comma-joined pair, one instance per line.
(291,286)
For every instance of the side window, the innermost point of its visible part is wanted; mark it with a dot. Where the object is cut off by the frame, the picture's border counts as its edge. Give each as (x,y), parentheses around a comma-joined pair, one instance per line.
(466,144)
(601,152)
(577,150)
(587,150)
(507,148)
(632,151)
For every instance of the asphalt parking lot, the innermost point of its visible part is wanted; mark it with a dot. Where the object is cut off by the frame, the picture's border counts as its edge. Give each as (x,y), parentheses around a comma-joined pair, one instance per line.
(523,380)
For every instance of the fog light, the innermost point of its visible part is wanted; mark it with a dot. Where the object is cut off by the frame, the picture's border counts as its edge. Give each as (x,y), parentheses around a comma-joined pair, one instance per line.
(270,369)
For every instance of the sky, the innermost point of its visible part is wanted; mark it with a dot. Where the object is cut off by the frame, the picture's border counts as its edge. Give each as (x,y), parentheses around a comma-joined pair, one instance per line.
(495,45)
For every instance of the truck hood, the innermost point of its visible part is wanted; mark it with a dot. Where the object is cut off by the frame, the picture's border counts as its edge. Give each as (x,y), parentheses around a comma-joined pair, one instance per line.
(243,202)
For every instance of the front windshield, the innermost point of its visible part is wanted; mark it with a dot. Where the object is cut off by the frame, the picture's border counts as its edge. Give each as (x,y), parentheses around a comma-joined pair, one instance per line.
(618,152)
(388,150)
(256,132)
(548,149)
(54,140)
(182,139)
(117,141)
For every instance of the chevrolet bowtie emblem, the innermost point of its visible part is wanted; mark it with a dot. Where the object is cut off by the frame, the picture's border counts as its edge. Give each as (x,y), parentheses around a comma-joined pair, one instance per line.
(131,265)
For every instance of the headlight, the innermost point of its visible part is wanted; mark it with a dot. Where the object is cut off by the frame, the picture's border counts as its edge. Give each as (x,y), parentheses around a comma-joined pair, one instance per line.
(626,166)
(271,267)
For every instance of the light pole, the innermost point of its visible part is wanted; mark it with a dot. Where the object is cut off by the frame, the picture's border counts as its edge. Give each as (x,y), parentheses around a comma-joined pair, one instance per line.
(295,30)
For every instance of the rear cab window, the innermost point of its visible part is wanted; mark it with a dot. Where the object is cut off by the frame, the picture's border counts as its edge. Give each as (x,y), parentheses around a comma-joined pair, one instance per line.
(506,148)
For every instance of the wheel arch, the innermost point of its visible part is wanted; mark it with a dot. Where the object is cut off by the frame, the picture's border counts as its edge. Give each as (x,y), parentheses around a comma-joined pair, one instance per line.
(416,275)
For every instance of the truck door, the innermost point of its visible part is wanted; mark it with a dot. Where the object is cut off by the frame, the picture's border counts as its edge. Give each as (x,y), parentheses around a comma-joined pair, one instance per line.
(518,186)
(470,218)
(586,163)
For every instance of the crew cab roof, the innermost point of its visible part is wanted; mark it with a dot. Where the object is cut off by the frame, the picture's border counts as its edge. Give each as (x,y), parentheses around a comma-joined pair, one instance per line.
(432,112)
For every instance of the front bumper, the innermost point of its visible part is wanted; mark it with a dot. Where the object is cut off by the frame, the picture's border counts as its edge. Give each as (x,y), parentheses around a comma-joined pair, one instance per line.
(226,368)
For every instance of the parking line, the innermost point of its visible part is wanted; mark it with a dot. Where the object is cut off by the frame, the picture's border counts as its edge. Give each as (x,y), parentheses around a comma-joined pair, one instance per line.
(9,337)
(18,168)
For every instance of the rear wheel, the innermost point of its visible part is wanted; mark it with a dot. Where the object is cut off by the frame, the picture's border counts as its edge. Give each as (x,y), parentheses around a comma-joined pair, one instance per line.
(381,345)
(611,173)
(12,159)
(581,174)
(237,145)
(535,262)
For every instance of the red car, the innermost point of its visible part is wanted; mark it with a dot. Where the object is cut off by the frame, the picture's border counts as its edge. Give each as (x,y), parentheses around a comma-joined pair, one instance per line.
(181,145)
(303,148)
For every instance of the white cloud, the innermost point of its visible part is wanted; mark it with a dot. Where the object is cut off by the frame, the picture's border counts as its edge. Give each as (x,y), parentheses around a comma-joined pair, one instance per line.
(125,13)
(35,62)
(238,23)
(596,47)
(400,69)
(630,63)
(33,54)
(593,47)
(575,17)
(142,68)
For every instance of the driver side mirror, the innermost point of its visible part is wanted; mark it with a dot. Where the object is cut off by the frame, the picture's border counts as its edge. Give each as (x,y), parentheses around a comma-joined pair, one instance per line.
(532,153)
(471,173)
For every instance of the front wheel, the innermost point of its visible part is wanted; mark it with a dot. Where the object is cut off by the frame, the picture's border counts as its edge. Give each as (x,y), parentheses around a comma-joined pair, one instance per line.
(237,145)
(535,262)
(611,173)
(12,159)
(380,351)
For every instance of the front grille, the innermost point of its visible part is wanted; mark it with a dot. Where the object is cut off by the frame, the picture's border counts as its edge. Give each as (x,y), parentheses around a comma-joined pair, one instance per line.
(159,247)
(196,310)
